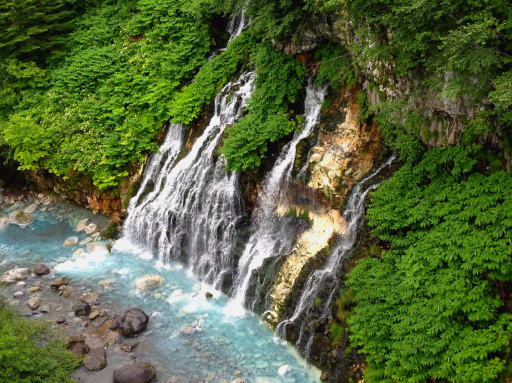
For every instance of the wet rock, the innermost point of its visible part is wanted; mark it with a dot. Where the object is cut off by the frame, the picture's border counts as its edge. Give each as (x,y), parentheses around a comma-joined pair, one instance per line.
(82,224)
(15,275)
(139,372)
(21,218)
(129,346)
(34,289)
(56,283)
(65,291)
(79,348)
(82,309)
(148,282)
(93,315)
(61,319)
(283,370)
(33,303)
(132,322)
(208,295)
(96,246)
(113,337)
(187,329)
(71,241)
(91,229)
(30,208)
(78,252)
(96,359)
(18,294)
(44,308)
(91,298)
(41,269)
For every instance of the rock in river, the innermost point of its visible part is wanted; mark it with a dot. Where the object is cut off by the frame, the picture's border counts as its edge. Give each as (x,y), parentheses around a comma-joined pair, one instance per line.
(71,241)
(15,275)
(139,372)
(96,359)
(148,282)
(82,309)
(132,322)
(41,269)
(21,218)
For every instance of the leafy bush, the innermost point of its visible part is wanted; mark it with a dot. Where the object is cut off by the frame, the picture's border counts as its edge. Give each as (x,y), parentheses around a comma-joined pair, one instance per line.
(30,353)
(429,309)
(279,83)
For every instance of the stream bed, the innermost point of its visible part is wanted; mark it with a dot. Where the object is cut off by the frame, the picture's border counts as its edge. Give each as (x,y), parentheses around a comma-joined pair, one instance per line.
(216,346)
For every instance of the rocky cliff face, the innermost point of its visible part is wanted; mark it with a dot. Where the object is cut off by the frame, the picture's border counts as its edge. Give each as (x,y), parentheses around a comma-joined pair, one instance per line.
(346,150)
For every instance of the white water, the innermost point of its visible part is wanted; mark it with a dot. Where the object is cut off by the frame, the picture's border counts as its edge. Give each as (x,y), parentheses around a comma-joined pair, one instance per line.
(327,277)
(270,236)
(193,211)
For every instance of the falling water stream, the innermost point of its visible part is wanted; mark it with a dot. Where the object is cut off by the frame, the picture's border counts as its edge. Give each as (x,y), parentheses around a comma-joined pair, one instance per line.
(324,282)
(271,236)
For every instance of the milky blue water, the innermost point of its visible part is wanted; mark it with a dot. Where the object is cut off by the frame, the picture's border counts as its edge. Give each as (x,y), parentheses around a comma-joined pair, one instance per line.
(222,347)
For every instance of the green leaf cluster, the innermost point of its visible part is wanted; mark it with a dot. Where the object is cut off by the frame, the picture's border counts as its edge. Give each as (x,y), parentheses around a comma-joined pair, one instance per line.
(429,308)
(31,353)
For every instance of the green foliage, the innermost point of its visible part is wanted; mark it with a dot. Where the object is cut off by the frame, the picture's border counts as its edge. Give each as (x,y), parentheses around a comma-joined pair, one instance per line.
(30,352)
(429,309)
(98,109)
(334,66)
(279,83)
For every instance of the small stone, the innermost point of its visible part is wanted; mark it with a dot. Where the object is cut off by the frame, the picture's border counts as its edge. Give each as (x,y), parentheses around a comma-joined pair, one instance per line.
(82,309)
(129,346)
(33,303)
(65,291)
(96,359)
(79,348)
(59,282)
(61,319)
(34,289)
(71,241)
(94,315)
(44,308)
(41,269)
(138,372)
(91,298)
(106,283)
(113,337)
(91,229)
(208,295)
(78,252)
(18,294)
(30,208)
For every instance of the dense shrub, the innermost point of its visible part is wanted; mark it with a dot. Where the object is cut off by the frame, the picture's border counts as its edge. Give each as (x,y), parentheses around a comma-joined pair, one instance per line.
(30,352)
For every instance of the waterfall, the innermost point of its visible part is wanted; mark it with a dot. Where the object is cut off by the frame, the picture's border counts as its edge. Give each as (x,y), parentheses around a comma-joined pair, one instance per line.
(270,236)
(325,280)
(194,208)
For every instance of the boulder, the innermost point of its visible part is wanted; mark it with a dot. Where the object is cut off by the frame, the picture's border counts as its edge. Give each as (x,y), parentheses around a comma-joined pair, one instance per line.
(148,282)
(82,309)
(56,283)
(21,218)
(15,275)
(71,241)
(132,322)
(96,359)
(139,372)
(41,269)
(34,289)
(79,348)
(81,225)
(33,303)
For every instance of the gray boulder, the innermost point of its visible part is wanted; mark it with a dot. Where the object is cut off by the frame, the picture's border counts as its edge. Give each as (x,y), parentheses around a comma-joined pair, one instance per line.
(132,322)
(41,269)
(139,372)
(96,359)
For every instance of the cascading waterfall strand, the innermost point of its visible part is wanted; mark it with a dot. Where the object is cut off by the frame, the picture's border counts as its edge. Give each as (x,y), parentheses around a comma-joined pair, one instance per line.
(325,280)
(193,212)
(271,235)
